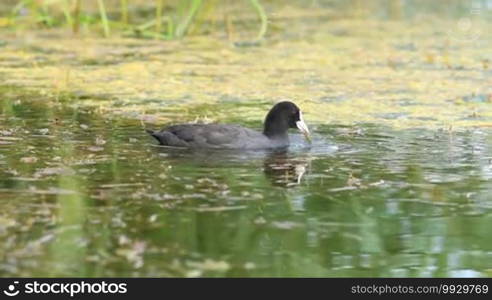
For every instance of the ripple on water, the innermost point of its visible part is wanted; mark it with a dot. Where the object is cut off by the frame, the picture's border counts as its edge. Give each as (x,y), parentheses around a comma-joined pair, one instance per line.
(355,192)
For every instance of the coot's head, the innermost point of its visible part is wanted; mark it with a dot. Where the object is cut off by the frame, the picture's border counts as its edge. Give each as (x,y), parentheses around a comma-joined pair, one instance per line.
(281,117)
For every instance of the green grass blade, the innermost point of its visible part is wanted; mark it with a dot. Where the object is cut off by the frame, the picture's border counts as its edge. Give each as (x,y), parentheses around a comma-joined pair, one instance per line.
(124,11)
(104,17)
(158,15)
(182,28)
(263,17)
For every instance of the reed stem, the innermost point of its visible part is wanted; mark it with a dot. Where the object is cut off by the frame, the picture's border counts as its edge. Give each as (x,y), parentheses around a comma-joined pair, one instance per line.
(158,15)
(76,17)
(263,17)
(104,17)
(182,28)
(124,11)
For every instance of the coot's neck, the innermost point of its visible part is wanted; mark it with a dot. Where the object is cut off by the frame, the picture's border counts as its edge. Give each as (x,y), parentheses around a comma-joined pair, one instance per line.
(276,128)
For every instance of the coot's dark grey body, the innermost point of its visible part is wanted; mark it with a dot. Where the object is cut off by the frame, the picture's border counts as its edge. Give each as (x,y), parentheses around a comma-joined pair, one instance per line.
(281,117)
(216,136)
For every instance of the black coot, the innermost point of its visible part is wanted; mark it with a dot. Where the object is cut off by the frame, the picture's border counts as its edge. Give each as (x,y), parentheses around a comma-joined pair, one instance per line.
(282,116)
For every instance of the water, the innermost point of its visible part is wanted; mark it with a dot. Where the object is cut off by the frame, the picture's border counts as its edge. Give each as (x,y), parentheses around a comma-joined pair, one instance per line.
(82,194)
(396,183)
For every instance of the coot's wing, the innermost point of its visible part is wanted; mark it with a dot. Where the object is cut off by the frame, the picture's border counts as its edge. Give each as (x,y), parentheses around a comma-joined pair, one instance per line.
(218,136)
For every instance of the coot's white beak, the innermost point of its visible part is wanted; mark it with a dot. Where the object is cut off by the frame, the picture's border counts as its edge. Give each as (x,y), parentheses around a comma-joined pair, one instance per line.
(303,127)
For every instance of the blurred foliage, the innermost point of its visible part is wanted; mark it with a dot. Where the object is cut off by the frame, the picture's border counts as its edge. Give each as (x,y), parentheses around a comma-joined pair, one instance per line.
(149,19)
(176,18)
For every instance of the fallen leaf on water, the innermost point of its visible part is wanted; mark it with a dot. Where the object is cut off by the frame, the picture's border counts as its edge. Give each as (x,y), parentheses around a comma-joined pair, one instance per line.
(219,208)
(260,221)
(6,222)
(153,218)
(210,265)
(95,148)
(44,131)
(53,171)
(123,240)
(249,266)
(100,141)
(194,273)
(29,159)
(285,225)
(353,181)
(6,132)
(134,254)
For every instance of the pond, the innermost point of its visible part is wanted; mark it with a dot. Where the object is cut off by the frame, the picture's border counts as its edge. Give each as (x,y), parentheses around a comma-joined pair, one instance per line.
(86,195)
(396,183)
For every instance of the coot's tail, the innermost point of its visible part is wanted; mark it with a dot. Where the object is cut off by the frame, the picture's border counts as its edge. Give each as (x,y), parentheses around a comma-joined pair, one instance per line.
(167,138)
(153,134)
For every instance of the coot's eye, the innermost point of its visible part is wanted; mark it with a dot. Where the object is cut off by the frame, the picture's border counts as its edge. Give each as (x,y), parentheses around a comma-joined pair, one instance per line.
(296,115)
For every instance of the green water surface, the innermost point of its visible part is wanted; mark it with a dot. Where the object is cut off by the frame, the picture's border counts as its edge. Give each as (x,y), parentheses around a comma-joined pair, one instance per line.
(397,181)
(82,194)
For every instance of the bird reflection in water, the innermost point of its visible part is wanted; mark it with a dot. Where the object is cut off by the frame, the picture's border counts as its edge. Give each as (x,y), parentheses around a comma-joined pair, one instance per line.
(284,170)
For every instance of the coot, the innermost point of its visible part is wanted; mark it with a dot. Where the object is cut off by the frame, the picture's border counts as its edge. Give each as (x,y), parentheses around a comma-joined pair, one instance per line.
(280,118)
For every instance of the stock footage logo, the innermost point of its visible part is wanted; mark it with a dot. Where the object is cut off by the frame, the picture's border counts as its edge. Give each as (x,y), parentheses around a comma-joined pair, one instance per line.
(467,28)
(11,290)
(64,287)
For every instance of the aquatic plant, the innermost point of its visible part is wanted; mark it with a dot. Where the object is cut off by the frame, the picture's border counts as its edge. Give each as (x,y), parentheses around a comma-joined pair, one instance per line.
(104,17)
(149,19)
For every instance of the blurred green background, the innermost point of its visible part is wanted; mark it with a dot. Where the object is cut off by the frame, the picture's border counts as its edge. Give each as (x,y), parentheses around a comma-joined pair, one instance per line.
(169,19)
